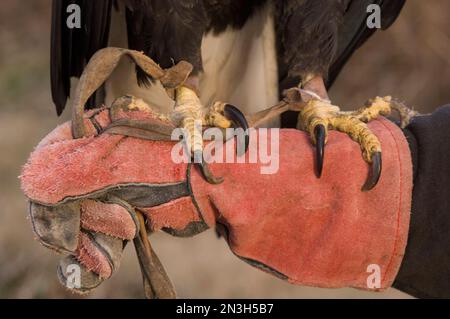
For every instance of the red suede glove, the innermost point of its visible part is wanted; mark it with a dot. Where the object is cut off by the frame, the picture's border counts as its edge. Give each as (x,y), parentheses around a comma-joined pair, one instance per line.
(320,232)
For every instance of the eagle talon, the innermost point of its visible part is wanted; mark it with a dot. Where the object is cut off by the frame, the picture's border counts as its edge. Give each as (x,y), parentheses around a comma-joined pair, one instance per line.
(210,178)
(318,116)
(221,115)
(188,114)
(208,175)
(236,116)
(374,172)
(319,133)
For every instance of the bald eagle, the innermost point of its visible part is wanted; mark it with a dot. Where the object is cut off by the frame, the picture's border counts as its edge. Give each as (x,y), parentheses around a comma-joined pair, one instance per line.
(243,52)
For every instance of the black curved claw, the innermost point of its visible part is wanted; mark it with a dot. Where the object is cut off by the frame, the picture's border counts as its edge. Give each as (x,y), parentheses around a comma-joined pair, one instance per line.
(210,178)
(204,168)
(235,115)
(374,172)
(319,133)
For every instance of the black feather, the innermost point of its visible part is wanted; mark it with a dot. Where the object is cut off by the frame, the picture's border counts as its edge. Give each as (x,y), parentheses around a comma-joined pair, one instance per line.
(168,31)
(313,36)
(307,35)
(230,13)
(319,36)
(354,31)
(71,49)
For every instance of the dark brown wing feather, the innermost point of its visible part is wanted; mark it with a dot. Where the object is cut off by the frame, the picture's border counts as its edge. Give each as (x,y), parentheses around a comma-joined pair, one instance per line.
(168,31)
(171,30)
(72,48)
(339,26)
(354,31)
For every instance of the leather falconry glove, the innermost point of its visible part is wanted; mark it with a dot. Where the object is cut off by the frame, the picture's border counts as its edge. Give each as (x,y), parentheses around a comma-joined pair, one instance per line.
(109,177)
(85,195)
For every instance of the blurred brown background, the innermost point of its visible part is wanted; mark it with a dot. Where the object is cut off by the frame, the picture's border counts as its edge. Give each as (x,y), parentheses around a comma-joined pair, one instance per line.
(411,61)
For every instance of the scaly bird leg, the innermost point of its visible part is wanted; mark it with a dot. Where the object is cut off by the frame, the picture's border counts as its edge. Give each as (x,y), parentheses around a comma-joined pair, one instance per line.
(188,114)
(319,115)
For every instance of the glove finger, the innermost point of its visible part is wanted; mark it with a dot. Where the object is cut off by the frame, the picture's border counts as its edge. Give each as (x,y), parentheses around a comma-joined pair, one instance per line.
(99,253)
(97,258)
(57,227)
(116,220)
(76,277)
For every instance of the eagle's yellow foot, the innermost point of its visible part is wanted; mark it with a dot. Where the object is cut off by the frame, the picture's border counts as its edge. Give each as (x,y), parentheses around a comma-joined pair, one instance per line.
(318,116)
(189,115)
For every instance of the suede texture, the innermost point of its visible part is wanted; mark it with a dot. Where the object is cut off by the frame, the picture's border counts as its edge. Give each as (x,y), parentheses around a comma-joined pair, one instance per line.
(109,219)
(320,232)
(177,214)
